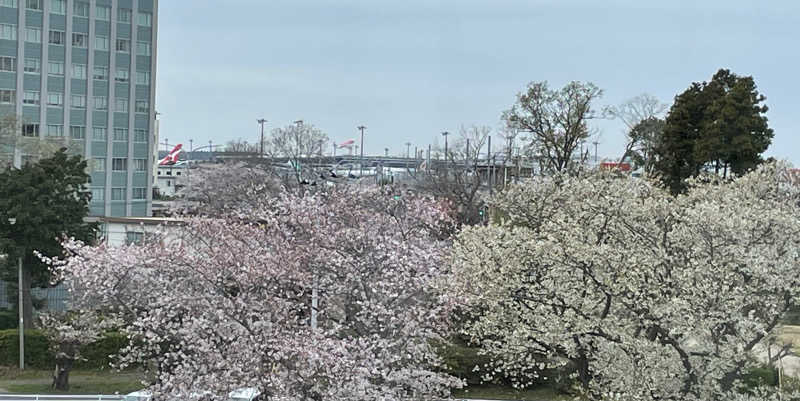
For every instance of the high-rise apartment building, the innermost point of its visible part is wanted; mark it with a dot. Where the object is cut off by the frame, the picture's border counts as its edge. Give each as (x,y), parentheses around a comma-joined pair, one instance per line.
(83,73)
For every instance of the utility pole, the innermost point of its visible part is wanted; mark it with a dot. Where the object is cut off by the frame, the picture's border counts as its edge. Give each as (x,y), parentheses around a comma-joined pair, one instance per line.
(408,150)
(20,306)
(488,168)
(262,122)
(386,151)
(466,157)
(595,151)
(445,134)
(361,159)
(428,162)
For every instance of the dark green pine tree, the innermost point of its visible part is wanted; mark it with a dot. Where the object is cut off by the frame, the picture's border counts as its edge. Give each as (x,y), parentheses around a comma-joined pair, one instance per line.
(676,156)
(48,200)
(718,125)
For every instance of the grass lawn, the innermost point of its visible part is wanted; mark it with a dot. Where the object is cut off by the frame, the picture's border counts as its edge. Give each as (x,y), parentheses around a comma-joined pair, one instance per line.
(491,392)
(81,382)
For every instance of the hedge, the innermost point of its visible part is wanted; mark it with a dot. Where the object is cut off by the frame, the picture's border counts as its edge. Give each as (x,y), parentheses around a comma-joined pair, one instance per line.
(38,355)
(8,319)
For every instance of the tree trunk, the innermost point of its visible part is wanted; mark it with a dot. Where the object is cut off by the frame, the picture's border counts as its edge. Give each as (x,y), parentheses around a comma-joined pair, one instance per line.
(27,301)
(61,374)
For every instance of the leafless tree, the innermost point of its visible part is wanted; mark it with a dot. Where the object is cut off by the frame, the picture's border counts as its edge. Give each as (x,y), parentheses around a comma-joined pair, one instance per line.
(642,118)
(30,148)
(242,146)
(460,181)
(556,121)
(301,145)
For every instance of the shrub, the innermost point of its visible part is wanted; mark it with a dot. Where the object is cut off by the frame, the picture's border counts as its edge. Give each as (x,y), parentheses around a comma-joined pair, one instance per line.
(37,352)
(8,319)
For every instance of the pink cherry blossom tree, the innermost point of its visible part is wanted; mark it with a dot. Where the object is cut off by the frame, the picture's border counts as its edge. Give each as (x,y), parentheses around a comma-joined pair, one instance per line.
(68,333)
(334,296)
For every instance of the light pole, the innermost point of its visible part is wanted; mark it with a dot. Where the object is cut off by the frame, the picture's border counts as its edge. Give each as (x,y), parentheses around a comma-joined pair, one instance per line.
(595,151)
(408,150)
(20,308)
(361,159)
(262,122)
(445,134)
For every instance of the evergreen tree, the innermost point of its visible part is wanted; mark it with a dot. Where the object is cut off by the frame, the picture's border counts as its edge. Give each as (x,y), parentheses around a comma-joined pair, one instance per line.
(47,200)
(717,125)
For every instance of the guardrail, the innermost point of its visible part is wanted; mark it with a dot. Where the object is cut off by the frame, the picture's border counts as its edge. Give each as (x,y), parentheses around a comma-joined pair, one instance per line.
(44,397)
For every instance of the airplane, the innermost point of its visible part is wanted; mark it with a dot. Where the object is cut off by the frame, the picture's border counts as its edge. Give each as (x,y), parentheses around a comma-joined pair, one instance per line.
(172,157)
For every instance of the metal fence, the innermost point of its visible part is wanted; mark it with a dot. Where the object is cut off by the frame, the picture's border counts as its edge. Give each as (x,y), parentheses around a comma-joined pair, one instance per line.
(53,299)
(42,397)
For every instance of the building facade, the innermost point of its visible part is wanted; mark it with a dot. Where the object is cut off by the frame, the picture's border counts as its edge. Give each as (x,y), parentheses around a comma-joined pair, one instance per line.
(82,73)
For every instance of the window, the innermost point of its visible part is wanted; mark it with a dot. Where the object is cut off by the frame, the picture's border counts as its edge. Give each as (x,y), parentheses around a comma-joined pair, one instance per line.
(55,99)
(33,65)
(33,35)
(80,9)
(124,15)
(139,193)
(30,129)
(8,3)
(140,164)
(140,135)
(142,78)
(143,48)
(8,96)
(134,238)
(28,159)
(57,37)
(33,4)
(77,132)
(79,71)
(78,101)
(8,64)
(101,43)
(117,193)
(55,130)
(31,98)
(123,75)
(123,45)
(55,68)
(58,6)
(98,194)
(98,164)
(120,134)
(119,164)
(145,19)
(103,13)
(100,103)
(99,133)
(142,106)
(80,40)
(100,73)
(120,106)
(8,31)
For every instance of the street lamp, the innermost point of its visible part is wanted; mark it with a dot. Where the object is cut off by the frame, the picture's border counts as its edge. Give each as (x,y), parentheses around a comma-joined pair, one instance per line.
(445,134)
(361,161)
(262,122)
(20,307)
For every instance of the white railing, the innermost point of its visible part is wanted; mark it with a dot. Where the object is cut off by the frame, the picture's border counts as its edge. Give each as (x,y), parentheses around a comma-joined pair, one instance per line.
(45,397)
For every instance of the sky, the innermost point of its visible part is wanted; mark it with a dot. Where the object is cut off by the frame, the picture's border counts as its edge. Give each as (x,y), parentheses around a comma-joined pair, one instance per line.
(410,69)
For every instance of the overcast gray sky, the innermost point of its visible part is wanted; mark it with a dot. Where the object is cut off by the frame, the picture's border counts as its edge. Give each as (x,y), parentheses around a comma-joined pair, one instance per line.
(410,69)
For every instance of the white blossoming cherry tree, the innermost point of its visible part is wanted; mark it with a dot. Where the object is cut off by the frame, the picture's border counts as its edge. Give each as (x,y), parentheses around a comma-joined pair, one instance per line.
(229,303)
(646,296)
